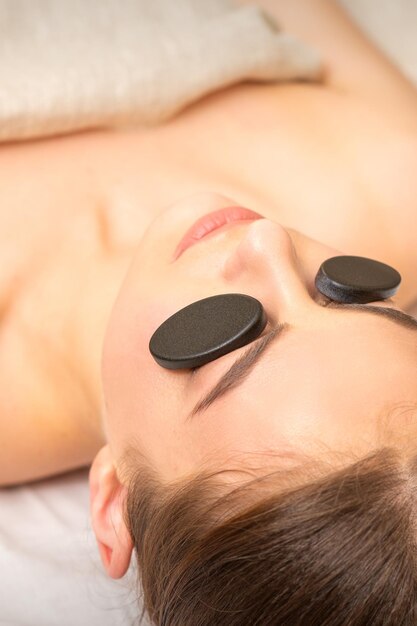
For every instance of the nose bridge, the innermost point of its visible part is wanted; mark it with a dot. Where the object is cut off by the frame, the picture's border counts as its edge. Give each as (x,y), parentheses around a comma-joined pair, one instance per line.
(268,254)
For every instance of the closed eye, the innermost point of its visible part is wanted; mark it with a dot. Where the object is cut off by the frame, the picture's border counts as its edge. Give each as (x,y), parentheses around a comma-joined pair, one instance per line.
(244,364)
(266,331)
(319,298)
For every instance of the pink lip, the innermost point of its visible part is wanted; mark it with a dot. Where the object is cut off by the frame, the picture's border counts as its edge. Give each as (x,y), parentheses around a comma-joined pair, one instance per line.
(212,221)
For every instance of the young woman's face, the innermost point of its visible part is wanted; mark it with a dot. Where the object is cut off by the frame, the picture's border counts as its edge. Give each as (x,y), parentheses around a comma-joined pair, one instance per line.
(324,382)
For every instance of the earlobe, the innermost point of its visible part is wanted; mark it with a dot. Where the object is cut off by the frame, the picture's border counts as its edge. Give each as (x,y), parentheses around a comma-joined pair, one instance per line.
(107,496)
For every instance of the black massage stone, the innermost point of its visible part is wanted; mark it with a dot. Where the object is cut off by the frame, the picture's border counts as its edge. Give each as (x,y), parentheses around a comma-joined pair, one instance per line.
(356,279)
(206,330)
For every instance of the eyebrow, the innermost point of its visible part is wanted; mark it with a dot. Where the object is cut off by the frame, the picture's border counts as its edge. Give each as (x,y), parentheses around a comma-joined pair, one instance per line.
(243,365)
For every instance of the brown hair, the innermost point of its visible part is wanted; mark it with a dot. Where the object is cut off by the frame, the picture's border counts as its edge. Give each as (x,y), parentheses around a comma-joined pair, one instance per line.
(310,547)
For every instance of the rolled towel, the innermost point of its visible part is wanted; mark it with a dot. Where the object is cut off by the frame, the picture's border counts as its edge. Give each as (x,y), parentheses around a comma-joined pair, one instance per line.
(68,65)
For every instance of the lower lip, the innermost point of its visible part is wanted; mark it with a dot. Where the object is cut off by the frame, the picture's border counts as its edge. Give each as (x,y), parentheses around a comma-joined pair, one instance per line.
(211,222)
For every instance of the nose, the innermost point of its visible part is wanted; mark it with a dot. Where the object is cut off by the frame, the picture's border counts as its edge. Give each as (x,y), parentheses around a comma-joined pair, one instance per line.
(266,257)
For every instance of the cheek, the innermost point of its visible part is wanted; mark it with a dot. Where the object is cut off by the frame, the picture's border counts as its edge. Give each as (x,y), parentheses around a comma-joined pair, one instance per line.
(139,394)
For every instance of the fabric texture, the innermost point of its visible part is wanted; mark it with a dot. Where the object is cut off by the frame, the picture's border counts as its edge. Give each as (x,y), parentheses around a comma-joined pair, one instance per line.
(52,574)
(67,66)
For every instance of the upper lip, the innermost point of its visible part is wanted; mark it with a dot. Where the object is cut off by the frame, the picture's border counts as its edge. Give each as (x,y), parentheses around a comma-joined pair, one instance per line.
(212,221)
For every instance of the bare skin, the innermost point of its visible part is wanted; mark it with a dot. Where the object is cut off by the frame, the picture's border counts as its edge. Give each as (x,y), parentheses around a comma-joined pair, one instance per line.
(334,161)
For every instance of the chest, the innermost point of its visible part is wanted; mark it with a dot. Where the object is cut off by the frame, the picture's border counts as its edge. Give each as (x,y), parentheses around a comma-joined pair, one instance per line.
(331,167)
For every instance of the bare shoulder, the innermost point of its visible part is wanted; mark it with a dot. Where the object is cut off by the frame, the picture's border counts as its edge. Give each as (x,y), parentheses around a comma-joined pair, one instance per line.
(49,413)
(352,61)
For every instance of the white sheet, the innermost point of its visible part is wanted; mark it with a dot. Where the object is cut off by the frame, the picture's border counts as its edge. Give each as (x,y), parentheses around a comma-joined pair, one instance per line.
(51,573)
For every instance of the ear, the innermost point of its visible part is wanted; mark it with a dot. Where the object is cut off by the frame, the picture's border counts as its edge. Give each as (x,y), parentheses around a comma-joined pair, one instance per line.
(107,496)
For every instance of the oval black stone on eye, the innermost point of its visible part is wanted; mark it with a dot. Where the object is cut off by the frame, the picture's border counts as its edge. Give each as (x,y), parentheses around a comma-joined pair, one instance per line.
(206,330)
(347,278)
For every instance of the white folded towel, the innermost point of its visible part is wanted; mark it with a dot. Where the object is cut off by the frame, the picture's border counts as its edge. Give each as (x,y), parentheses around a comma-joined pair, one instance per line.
(67,65)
